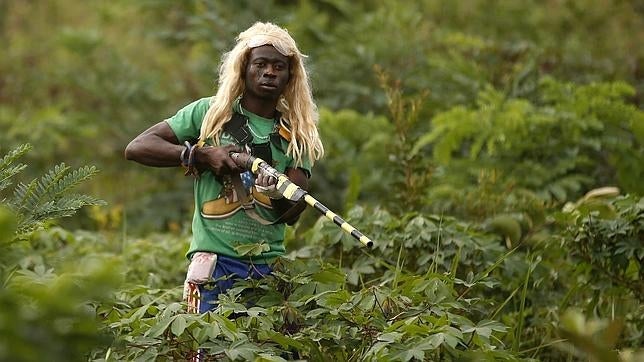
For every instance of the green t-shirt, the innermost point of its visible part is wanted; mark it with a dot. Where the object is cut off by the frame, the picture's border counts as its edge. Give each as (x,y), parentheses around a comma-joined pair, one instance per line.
(222,235)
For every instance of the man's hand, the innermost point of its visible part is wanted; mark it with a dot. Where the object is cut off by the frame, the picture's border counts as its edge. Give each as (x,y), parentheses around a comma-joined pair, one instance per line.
(217,159)
(267,185)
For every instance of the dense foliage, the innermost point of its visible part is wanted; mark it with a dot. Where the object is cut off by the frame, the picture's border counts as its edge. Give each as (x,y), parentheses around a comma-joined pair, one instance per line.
(493,150)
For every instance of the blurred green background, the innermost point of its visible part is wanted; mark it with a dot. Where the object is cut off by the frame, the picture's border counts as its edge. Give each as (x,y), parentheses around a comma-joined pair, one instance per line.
(79,80)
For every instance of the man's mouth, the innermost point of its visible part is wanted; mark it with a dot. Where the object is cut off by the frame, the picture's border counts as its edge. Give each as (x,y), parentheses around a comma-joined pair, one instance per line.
(268,85)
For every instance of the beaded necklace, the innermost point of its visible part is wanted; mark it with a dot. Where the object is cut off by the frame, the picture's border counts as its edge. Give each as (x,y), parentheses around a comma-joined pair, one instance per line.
(255,135)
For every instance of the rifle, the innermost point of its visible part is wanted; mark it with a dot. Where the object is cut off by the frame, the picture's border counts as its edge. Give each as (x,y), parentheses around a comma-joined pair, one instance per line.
(293,192)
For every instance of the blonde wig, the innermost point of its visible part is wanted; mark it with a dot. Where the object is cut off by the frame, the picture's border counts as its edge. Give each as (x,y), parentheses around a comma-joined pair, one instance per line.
(295,104)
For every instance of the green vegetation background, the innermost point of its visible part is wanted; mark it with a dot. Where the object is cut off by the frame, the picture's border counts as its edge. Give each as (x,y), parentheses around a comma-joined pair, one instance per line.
(463,136)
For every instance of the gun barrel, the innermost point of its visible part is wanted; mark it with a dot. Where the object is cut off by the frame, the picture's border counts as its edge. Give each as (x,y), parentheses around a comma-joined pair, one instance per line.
(338,220)
(295,193)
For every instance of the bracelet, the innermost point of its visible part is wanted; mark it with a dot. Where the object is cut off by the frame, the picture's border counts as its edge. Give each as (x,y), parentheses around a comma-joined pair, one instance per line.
(184,154)
(192,170)
(188,159)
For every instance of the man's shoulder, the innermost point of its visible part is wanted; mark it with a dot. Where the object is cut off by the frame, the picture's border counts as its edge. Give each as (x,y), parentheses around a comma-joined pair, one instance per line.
(201,103)
(186,123)
(194,110)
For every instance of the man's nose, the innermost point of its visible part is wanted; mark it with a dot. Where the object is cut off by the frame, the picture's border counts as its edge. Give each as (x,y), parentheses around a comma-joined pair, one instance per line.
(269,71)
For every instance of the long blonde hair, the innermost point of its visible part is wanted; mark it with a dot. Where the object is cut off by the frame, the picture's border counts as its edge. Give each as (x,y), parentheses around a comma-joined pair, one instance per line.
(295,104)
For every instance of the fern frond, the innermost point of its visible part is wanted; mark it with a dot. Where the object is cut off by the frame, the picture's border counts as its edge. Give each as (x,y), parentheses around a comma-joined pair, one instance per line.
(45,199)
(14,155)
(73,179)
(21,194)
(66,206)
(45,186)
(7,170)
(7,173)
(50,186)
(42,189)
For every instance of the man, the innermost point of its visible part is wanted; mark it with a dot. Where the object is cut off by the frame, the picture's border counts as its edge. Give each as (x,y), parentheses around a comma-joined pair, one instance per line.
(263,105)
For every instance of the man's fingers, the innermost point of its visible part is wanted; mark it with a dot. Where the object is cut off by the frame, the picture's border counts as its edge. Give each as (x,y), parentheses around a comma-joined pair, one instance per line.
(267,184)
(261,179)
(228,161)
(265,179)
(232,165)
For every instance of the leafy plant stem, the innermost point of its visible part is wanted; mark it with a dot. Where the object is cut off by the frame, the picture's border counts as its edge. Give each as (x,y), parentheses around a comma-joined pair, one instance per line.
(454,267)
(398,267)
(433,266)
(505,302)
(519,329)
(537,348)
(487,271)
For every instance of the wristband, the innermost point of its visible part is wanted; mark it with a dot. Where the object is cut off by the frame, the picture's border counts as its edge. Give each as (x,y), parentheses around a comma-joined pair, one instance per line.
(188,159)
(184,154)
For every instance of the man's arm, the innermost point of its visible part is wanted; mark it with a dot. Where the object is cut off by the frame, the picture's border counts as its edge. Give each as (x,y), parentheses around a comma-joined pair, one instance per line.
(158,146)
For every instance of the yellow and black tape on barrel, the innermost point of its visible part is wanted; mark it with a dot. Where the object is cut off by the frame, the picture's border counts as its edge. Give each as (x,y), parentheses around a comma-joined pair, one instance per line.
(255,166)
(294,193)
(338,220)
(286,187)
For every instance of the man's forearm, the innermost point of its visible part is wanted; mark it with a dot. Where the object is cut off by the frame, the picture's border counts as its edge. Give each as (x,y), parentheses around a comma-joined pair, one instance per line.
(156,153)
(157,146)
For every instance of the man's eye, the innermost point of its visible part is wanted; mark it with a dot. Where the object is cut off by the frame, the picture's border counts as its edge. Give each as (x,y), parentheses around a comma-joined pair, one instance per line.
(260,64)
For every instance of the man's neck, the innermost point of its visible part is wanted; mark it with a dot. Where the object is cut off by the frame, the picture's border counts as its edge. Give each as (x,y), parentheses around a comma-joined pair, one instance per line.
(261,107)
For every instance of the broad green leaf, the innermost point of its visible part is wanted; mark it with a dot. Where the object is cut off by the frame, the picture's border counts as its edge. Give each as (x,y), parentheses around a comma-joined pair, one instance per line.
(284,341)
(332,276)
(269,358)
(160,327)
(390,337)
(178,325)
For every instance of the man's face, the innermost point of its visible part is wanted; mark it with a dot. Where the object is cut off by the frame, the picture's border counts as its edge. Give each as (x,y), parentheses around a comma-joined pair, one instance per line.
(267,73)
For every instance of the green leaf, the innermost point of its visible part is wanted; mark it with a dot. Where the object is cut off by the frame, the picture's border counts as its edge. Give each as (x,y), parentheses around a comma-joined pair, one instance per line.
(7,224)
(242,350)
(334,299)
(178,325)
(390,337)
(411,352)
(264,357)
(330,276)
(485,327)
(252,249)
(160,327)
(284,341)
